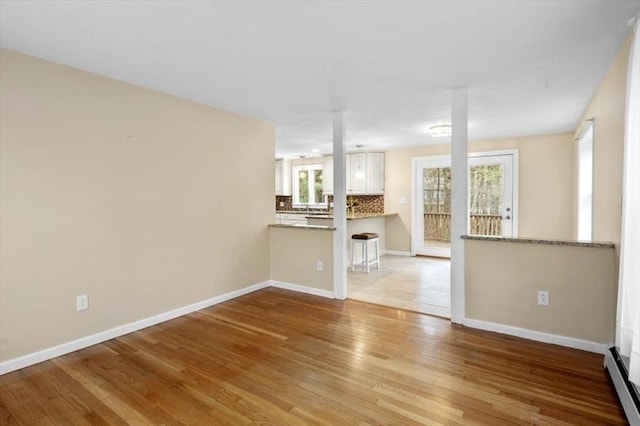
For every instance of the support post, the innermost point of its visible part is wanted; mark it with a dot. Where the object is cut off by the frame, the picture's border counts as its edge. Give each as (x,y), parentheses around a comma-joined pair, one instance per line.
(459,200)
(339,207)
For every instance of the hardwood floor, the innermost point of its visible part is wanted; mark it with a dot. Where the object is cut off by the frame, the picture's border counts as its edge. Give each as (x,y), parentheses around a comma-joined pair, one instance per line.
(416,283)
(278,357)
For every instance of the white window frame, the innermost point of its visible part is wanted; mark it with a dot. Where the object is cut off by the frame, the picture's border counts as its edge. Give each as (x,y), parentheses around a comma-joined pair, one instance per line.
(295,183)
(584,201)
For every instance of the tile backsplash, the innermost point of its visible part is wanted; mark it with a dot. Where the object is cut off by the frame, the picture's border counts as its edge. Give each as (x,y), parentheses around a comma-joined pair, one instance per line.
(284,202)
(368,203)
(364,203)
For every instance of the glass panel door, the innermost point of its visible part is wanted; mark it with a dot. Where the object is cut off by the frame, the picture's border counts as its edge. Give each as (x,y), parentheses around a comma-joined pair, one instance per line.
(432,203)
(437,209)
(490,201)
(491,195)
(486,199)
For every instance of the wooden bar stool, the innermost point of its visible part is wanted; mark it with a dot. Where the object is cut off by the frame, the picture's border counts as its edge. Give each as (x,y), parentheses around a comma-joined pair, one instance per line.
(364,239)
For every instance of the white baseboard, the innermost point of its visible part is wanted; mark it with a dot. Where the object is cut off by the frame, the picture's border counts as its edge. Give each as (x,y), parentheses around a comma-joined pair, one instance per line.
(83,342)
(65,348)
(631,409)
(539,336)
(398,253)
(302,289)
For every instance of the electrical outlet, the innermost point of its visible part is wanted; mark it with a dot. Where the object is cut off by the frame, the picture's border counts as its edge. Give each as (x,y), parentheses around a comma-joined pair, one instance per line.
(543,298)
(281,203)
(82,302)
(319,265)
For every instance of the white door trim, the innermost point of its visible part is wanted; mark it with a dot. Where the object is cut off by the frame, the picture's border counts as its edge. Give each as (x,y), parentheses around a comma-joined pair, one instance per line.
(515,182)
(429,161)
(445,161)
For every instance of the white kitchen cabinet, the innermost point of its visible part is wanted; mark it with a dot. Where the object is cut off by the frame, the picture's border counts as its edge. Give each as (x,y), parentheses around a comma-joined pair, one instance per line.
(327,175)
(283,177)
(365,173)
(375,173)
(356,173)
(278,177)
(291,218)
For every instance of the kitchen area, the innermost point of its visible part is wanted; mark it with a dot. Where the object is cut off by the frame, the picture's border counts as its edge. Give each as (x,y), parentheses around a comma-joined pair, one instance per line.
(304,193)
(302,237)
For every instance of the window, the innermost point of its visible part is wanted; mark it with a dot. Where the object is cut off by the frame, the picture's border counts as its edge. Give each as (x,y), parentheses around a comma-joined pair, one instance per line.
(307,185)
(585,182)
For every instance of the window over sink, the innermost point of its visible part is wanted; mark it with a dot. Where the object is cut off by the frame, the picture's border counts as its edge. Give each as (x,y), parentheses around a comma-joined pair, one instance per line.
(307,186)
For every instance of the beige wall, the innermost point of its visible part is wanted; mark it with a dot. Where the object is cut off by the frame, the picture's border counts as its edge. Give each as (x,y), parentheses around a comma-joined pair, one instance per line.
(136,198)
(580,282)
(608,109)
(294,253)
(545,185)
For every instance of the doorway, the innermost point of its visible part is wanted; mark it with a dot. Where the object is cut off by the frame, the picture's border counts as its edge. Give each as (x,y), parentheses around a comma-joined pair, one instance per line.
(419,284)
(492,199)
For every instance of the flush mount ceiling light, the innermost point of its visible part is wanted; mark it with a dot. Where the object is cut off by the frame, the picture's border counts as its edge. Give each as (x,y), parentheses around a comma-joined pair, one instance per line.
(440,130)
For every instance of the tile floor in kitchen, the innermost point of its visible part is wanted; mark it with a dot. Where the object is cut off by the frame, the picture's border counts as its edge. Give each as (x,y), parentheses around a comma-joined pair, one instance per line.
(420,284)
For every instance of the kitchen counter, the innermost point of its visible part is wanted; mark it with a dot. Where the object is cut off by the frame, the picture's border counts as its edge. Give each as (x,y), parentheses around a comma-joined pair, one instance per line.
(356,224)
(298,217)
(352,217)
(365,218)
(304,212)
(320,217)
(302,226)
(329,215)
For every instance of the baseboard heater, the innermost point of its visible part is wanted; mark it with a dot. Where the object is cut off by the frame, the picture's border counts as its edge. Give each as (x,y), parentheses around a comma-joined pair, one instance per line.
(628,393)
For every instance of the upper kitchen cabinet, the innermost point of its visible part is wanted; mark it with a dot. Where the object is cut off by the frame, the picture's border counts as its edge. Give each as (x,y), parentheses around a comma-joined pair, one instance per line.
(365,173)
(375,173)
(283,177)
(357,173)
(327,175)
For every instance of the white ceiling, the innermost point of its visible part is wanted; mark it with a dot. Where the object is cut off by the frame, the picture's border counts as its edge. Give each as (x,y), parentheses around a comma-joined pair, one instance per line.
(531,67)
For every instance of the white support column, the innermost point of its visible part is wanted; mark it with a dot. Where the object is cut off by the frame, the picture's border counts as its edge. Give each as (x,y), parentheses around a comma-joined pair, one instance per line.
(459,200)
(339,207)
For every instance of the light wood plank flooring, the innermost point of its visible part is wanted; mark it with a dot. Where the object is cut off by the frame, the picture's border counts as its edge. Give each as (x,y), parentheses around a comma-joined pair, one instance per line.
(420,284)
(278,357)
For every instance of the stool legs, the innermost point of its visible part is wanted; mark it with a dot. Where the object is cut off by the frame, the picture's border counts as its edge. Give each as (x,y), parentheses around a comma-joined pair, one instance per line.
(364,251)
(353,258)
(365,256)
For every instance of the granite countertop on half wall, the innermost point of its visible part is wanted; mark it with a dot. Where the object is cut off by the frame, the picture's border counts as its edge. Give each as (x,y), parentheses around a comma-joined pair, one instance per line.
(547,241)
